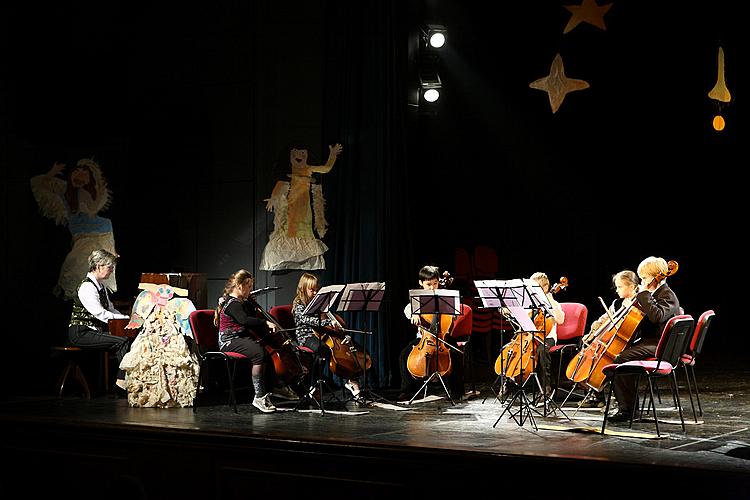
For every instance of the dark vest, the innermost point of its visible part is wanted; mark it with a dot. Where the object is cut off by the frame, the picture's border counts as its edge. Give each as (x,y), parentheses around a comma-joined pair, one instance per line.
(81,315)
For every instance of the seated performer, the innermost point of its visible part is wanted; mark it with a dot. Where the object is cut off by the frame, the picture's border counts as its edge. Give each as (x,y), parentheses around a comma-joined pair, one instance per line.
(92,309)
(626,287)
(429,279)
(558,317)
(659,303)
(236,317)
(307,337)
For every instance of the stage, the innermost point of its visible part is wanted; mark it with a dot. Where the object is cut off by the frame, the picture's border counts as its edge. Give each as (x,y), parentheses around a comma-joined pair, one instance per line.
(104,448)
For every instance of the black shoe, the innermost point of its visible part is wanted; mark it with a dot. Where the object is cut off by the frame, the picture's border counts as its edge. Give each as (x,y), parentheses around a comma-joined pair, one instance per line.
(620,416)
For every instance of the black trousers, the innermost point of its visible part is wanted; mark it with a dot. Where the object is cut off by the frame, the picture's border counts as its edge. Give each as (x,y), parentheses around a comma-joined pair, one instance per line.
(83,336)
(625,386)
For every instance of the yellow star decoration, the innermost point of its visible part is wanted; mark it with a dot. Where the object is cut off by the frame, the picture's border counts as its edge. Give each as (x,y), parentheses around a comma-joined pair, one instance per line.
(587,12)
(556,84)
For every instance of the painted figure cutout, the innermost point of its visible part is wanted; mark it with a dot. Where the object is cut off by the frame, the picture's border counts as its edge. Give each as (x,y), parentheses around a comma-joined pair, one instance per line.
(299,213)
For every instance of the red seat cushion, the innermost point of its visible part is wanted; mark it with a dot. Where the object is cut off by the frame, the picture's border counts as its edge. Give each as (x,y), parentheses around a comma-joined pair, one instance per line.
(235,355)
(647,366)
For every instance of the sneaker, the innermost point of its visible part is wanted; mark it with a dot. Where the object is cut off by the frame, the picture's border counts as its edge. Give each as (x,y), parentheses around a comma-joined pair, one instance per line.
(352,389)
(264,404)
(285,392)
(593,401)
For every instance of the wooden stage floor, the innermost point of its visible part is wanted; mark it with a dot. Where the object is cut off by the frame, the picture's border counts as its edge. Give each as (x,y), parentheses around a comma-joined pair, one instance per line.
(104,448)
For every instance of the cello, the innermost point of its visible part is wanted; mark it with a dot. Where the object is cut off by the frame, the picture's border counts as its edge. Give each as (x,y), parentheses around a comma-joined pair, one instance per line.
(286,360)
(431,354)
(608,341)
(348,359)
(520,354)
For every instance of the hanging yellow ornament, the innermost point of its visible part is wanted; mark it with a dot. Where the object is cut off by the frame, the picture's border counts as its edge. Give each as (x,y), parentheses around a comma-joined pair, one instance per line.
(720,92)
(719,123)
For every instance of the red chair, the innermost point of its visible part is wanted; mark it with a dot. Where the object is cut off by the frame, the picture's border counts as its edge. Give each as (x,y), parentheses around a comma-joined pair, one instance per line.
(283,314)
(688,359)
(672,345)
(206,336)
(569,333)
(462,329)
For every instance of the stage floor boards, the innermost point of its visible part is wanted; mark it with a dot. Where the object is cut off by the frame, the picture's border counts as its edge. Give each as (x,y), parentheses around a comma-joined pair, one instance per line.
(379,450)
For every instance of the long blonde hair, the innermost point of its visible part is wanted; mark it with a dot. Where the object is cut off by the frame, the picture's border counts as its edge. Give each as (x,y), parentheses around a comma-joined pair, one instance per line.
(237,279)
(306,282)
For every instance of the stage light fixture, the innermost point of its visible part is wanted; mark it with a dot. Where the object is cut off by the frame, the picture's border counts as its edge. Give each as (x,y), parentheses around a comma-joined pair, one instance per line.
(430,87)
(431,95)
(434,35)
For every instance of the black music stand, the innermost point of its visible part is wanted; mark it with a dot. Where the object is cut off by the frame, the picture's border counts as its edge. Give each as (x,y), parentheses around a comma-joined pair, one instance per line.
(540,304)
(363,297)
(500,295)
(440,301)
(320,304)
(518,297)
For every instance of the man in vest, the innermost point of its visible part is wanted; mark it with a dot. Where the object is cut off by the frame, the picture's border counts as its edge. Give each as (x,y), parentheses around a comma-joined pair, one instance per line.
(92,309)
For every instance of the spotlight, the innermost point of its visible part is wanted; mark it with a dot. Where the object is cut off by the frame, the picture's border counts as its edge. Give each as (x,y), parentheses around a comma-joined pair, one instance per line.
(430,87)
(431,95)
(434,35)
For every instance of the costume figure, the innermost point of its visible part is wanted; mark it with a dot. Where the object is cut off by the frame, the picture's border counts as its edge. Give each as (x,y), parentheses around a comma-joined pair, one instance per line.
(77,203)
(299,208)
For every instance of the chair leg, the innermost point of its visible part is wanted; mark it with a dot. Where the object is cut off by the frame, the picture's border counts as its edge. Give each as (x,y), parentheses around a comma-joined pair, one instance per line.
(69,364)
(697,394)
(230,375)
(78,375)
(690,392)
(469,360)
(72,369)
(635,403)
(656,418)
(198,385)
(676,394)
(609,400)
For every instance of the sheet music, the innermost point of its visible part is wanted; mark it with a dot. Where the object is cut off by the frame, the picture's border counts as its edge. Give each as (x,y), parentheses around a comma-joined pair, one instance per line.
(435,301)
(521,315)
(492,291)
(362,297)
(323,300)
(516,296)
(537,295)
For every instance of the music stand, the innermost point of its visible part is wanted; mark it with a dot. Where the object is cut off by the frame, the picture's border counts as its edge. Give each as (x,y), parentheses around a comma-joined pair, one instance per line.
(363,297)
(499,294)
(440,301)
(320,304)
(538,302)
(515,298)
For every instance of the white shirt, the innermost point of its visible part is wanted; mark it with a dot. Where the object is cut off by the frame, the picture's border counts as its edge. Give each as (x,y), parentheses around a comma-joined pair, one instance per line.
(88,293)
(558,317)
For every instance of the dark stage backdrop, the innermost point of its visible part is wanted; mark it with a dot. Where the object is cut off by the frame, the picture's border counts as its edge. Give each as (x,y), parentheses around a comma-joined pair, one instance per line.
(190,111)
(628,168)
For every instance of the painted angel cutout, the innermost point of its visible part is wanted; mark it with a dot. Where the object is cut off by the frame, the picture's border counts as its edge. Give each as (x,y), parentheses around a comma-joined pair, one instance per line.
(76,203)
(299,214)
(162,297)
(161,370)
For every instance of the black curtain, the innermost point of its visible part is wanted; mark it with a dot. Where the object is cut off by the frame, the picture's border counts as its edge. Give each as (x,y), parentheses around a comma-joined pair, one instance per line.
(364,108)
